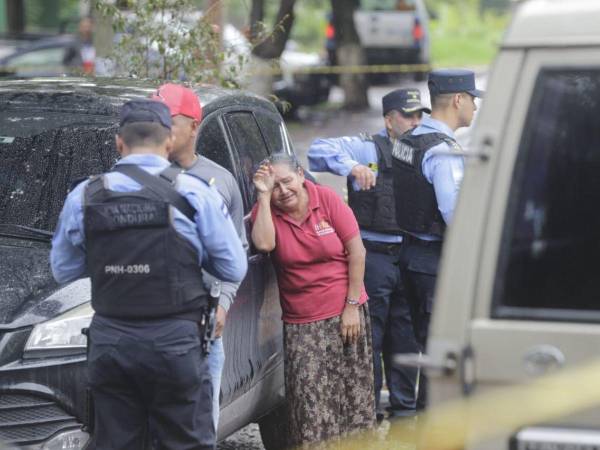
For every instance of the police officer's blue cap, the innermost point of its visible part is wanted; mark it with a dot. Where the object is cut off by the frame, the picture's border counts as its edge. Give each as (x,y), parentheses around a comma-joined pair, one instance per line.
(451,81)
(135,111)
(404,100)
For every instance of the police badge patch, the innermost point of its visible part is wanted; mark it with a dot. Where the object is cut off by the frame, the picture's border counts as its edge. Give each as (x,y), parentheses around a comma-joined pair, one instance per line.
(403,152)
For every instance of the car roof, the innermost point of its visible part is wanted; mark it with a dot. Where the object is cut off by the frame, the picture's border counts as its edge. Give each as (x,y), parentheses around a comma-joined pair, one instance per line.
(106,95)
(554,23)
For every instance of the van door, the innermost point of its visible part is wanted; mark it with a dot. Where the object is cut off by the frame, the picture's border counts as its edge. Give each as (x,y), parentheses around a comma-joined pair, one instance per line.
(533,242)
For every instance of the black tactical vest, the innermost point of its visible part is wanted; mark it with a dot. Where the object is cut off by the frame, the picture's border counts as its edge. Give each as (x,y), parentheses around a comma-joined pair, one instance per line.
(375,209)
(416,205)
(139,265)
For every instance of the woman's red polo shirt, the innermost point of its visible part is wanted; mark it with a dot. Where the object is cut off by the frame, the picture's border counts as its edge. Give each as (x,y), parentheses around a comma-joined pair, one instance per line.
(310,258)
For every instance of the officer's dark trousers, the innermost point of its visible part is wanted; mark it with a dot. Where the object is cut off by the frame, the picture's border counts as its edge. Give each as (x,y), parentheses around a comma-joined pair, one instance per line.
(419,262)
(391,324)
(150,373)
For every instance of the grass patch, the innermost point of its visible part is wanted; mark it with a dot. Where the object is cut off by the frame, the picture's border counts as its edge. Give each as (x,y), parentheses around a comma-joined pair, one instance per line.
(462,37)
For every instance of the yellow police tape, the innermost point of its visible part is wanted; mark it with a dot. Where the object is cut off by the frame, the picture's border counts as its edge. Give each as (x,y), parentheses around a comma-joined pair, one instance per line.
(496,412)
(358,69)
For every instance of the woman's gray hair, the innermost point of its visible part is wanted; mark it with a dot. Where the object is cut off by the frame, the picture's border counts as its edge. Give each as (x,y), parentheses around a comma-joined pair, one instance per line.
(283,158)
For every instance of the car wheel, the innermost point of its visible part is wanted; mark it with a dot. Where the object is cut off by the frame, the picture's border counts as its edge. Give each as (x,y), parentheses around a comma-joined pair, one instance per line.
(273,429)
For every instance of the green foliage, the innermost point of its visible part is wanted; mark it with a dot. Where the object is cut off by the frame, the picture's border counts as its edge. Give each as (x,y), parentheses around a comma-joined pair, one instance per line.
(51,15)
(309,27)
(461,36)
(170,40)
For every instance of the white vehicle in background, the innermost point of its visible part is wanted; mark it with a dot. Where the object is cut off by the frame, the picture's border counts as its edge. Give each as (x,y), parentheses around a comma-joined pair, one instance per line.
(390,32)
(394,32)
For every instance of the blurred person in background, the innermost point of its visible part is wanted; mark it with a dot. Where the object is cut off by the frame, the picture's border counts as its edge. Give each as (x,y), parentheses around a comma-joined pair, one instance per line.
(82,54)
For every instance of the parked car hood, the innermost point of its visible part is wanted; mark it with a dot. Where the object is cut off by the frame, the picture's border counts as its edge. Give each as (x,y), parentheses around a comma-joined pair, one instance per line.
(28,292)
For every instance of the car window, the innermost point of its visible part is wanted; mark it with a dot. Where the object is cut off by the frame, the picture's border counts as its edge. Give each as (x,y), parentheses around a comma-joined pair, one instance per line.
(251,148)
(212,143)
(548,266)
(42,153)
(275,133)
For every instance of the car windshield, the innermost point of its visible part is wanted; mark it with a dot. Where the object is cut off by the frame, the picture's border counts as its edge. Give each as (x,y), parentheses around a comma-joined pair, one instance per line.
(43,152)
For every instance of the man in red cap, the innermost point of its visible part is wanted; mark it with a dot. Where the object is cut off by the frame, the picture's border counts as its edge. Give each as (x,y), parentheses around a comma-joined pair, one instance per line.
(186,114)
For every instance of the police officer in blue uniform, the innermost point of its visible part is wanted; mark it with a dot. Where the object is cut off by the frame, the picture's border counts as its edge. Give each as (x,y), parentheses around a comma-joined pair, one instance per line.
(428,171)
(366,161)
(143,240)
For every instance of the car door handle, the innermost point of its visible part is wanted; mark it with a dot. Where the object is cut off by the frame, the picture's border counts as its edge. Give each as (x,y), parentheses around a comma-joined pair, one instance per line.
(540,359)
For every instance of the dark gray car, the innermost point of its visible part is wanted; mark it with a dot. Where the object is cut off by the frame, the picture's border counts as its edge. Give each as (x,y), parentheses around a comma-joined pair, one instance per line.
(51,134)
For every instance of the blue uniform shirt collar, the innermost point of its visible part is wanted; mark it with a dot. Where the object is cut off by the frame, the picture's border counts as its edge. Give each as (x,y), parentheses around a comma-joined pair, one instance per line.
(145,160)
(428,124)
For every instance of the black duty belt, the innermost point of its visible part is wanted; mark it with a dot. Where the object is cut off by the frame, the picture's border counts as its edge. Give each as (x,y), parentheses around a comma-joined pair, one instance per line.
(388,248)
(410,239)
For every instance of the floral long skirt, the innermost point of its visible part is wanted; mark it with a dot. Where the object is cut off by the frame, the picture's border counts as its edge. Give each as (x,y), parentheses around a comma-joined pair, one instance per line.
(329,384)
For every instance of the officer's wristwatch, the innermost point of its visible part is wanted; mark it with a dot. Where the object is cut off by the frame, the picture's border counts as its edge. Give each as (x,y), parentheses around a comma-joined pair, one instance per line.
(349,301)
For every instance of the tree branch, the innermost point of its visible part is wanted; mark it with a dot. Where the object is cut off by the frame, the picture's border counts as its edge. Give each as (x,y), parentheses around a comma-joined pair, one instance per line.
(273,46)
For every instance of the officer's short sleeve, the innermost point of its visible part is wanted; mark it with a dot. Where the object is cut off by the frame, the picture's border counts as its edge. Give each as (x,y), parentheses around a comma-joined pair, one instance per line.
(445,171)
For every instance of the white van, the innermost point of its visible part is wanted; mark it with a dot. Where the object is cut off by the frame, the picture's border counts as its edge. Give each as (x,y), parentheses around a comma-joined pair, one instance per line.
(393,31)
(518,293)
(390,32)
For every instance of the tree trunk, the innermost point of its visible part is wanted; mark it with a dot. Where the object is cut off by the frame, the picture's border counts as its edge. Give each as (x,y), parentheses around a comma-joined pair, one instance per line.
(15,14)
(272,46)
(349,53)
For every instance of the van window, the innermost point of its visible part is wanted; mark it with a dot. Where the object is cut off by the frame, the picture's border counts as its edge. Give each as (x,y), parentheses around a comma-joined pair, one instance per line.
(548,268)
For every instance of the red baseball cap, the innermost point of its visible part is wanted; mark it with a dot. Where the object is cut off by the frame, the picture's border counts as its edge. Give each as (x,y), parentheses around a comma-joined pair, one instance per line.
(180,100)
